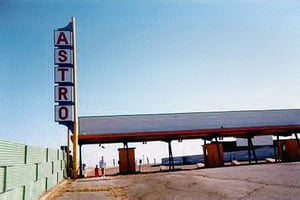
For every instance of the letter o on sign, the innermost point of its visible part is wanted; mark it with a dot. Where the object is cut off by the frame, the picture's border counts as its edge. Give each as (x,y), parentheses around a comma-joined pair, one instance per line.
(63,113)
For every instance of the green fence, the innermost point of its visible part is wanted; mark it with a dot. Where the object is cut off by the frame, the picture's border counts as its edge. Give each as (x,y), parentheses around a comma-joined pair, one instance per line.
(26,171)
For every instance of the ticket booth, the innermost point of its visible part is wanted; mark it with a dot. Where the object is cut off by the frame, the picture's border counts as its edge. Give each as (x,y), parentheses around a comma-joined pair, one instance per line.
(288,151)
(126,160)
(213,155)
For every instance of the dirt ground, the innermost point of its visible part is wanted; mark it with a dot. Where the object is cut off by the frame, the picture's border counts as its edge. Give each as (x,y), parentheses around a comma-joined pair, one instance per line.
(262,181)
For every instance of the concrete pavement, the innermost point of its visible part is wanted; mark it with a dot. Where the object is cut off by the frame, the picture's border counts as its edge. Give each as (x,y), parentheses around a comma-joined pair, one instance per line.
(263,181)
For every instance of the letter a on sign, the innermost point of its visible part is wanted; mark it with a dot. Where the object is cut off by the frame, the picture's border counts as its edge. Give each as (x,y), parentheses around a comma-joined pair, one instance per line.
(62,38)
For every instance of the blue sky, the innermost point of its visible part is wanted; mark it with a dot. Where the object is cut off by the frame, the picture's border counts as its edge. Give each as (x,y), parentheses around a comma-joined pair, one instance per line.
(147,57)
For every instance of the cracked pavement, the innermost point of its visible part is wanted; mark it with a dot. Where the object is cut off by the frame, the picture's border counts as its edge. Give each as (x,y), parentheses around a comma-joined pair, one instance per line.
(263,181)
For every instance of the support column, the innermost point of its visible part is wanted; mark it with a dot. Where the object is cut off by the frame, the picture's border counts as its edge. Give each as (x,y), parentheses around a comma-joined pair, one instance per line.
(127,155)
(68,152)
(80,161)
(275,150)
(297,140)
(253,150)
(249,153)
(277,146)
(171,159)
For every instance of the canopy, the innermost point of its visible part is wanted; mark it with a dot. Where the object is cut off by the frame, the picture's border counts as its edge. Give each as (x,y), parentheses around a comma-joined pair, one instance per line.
(172,126)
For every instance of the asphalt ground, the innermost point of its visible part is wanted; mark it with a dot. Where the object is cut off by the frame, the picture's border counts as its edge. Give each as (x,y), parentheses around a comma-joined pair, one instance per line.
(261,181)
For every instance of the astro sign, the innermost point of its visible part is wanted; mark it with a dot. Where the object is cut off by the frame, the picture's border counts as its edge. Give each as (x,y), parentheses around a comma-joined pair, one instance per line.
(63,76)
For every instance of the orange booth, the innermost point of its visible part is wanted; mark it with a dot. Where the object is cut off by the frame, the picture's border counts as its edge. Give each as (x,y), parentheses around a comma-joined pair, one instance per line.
(288,150)
(213,155)
(126,160)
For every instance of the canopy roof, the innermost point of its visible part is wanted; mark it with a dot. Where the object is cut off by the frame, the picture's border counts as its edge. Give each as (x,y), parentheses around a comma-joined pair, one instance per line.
(205,125)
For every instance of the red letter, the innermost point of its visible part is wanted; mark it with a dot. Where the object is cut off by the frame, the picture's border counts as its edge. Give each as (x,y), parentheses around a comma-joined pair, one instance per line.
(62,38)
(63,75)
(63,54)
(62,92)
(63,113)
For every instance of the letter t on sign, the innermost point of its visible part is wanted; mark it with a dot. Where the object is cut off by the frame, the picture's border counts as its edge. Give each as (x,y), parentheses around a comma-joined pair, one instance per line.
(63,75)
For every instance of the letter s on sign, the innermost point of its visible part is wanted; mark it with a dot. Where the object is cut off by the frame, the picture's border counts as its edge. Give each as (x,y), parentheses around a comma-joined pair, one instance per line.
(63,56)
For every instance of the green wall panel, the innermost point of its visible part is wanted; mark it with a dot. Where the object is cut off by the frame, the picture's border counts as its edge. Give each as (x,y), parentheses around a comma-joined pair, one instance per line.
(39,187)
(29,171)
(61,155)
(45,169)
(15,194)
(11,153)
(34,189)
(60,176)
(3,196)
(52,155)
(35,155)
(20,175)
(57,166)
(2,177)
(28,191)
(51,182)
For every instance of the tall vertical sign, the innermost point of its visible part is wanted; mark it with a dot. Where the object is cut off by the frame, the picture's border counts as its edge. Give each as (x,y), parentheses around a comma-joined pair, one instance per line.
(65,90)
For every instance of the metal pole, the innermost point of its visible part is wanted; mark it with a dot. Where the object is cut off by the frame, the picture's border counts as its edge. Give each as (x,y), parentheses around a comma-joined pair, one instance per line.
(249,153)
(169,145)
(127,157)
(68,151)
(275,151)
(297,140)
(80,160)
(171,159)
(75,124)
(253,151)
(277,145)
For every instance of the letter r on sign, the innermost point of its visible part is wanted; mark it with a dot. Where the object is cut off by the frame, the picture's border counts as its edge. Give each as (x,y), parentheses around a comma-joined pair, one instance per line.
(63,93)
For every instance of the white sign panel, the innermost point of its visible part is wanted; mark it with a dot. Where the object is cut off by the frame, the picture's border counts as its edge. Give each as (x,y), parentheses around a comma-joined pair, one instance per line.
(63,56)
(63,113)
(62,38)
(63,75)
(63,93)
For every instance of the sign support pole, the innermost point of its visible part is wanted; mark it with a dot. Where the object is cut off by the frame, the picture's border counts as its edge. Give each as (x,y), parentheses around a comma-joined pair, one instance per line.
(75,125)
(68,152)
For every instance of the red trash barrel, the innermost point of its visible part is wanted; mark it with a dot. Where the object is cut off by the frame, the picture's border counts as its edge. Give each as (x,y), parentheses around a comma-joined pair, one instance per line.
(96,171)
